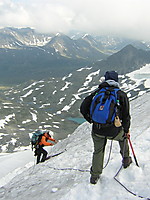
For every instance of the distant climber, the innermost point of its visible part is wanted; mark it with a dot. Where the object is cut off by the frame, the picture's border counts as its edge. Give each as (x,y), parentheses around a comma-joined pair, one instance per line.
(113,125)
(41,142)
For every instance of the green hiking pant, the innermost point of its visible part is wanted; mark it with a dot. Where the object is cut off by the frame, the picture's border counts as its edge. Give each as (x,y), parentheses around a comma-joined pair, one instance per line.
(99,149)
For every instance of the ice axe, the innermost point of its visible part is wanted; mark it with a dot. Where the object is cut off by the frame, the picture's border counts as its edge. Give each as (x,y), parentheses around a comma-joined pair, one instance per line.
(133,151)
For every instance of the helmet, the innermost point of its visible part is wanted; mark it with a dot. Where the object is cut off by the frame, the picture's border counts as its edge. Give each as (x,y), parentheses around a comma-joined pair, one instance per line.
(47,134)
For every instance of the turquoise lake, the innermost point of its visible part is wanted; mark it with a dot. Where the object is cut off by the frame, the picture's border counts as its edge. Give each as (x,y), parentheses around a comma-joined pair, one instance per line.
(77,119)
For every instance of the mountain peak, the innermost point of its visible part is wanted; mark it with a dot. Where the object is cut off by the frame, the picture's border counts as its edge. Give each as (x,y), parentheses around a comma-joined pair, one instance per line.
(129,47)
(85,35)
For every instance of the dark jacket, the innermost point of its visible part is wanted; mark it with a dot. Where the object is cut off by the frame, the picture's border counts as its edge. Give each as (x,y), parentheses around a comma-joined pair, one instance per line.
(124,114)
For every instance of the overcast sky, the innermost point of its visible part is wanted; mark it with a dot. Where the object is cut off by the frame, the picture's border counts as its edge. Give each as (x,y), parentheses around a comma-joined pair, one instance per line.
(122,17)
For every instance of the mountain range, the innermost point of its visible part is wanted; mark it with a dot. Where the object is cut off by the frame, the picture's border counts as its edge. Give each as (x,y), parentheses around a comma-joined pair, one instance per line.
(27,55)
(52,80)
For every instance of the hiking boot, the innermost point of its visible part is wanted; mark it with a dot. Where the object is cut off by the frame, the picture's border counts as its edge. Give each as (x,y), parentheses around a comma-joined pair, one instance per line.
(126,161)
(94,179)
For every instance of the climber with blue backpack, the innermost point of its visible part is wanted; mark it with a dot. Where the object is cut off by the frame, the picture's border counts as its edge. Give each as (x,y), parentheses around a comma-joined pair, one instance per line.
(107,109)
(38,141)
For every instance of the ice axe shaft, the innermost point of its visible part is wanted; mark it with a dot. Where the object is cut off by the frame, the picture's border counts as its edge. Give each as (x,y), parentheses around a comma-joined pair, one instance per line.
(133,151)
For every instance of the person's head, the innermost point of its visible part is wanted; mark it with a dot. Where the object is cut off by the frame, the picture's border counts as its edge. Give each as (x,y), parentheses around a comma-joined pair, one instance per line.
(111,75)
(47,134)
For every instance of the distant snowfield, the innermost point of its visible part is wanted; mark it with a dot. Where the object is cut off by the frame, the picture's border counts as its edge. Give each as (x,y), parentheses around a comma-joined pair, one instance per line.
(60,179)
(141,74)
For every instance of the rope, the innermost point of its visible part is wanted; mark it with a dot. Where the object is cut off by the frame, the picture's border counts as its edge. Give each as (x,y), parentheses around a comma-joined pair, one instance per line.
(69,168)
(115,177)
(108,155)
(130,190)
(82,170)
(126,187)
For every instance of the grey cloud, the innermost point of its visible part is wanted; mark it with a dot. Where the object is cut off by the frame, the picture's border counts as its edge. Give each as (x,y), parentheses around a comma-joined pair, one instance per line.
(121,17)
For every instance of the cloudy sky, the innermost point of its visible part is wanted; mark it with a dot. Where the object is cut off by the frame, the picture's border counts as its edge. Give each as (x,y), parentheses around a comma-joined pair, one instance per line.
(129,18)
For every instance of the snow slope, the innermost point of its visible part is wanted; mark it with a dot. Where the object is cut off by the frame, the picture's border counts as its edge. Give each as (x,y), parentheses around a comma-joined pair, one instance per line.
(12,164)
(60,177)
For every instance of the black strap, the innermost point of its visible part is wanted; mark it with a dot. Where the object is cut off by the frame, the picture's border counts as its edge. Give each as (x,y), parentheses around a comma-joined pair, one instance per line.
(111,111)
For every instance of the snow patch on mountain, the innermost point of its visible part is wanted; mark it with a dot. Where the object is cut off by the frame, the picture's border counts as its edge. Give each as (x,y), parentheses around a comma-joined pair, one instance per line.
(38,104)
(5,121)
(140,75)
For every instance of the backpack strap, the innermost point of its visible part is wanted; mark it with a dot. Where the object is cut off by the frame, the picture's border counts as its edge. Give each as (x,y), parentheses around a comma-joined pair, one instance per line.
(111,111)
(113,104)
(39,139)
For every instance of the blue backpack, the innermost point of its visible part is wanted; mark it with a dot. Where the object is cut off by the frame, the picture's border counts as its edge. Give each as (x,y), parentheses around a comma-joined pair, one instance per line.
(104,106)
